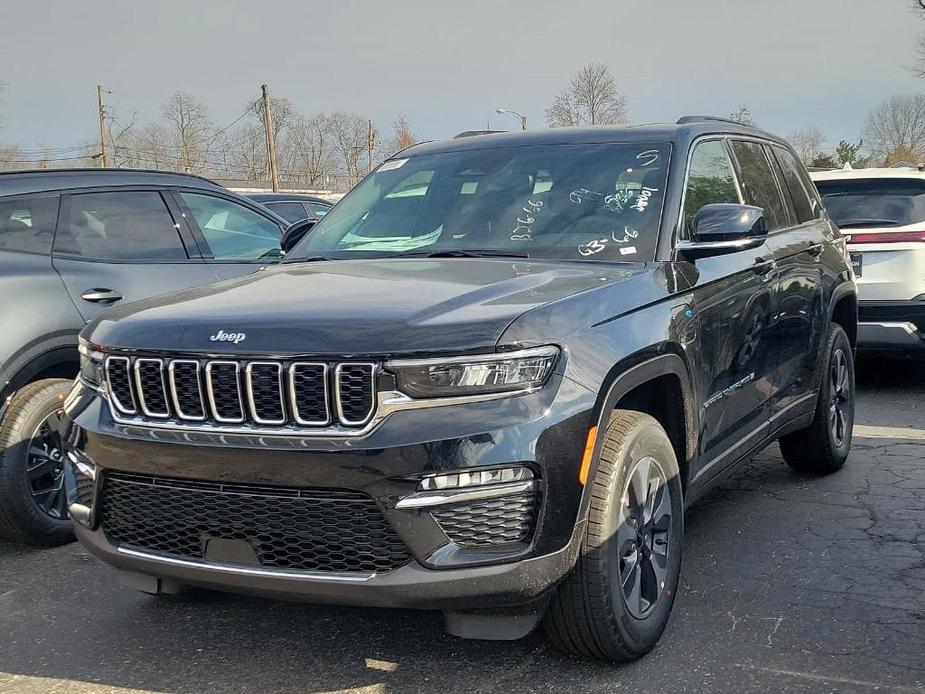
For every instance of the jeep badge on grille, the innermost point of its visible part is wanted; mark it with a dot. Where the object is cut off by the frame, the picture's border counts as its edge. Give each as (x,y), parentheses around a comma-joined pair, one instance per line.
(222,336)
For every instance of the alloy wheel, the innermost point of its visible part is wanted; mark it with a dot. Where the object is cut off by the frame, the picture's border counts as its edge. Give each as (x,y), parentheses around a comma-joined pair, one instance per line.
(644,537)
(839,397)
(45,467)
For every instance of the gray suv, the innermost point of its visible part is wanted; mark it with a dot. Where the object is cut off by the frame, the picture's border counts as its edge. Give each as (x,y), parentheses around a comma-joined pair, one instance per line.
(72,244)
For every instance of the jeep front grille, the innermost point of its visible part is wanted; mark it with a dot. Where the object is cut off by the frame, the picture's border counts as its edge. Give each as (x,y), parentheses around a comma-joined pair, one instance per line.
(251,393)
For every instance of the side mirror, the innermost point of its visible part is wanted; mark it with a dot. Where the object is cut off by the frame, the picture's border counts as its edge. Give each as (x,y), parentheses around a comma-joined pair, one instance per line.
(724,228)
(295,233)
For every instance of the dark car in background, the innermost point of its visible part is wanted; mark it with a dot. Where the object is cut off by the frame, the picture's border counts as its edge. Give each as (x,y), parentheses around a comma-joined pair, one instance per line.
(504,366)
(73,244)
(293,207)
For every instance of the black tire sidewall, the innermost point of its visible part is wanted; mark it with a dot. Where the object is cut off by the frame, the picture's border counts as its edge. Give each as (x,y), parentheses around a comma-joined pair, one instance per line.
(838,340)
(647,438)
(28,408)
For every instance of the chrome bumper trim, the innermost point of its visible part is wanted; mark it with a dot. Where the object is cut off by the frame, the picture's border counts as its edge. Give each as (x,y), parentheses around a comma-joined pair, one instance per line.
(246,570)
(455,496)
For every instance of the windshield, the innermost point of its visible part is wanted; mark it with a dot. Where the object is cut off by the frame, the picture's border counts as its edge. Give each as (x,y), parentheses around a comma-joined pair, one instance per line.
(595,202)
(874,202)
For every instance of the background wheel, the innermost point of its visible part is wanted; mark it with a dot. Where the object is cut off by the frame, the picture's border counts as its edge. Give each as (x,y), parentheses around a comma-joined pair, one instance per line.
(823,446)
(615,604)
(33,503)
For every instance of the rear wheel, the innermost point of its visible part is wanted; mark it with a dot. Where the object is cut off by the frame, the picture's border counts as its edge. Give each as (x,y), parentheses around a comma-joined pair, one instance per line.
(615,604)
(823,446)
(33,502)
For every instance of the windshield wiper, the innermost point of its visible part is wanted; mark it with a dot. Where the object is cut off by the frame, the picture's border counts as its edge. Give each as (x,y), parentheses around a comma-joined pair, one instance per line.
(309,259)
(872,222)
(460,253)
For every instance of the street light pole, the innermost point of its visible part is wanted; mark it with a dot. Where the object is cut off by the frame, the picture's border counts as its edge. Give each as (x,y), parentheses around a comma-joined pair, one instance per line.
(522,118)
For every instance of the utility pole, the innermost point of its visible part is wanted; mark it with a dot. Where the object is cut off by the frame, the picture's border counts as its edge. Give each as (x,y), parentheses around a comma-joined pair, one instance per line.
(104,147)
(369,146)
(271,138)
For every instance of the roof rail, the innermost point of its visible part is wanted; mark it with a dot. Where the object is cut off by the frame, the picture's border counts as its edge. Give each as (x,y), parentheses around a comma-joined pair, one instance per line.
(700,119)
(99,170)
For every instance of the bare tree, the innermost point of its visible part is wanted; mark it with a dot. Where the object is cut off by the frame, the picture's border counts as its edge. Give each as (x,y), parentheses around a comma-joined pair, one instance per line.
(592,98)
(742,115)
(281,110)
(807,143)
(895,129)
(246,152)
(189,124)
(310,157)
(402,136)
(350,134)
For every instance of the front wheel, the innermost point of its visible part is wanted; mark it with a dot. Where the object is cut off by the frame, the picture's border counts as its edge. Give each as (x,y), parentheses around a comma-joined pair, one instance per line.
(615,604)
(33,503)
(823,446)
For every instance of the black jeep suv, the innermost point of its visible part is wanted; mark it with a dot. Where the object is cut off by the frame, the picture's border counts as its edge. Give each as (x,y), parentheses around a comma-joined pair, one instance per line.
(504,366)
(73,244)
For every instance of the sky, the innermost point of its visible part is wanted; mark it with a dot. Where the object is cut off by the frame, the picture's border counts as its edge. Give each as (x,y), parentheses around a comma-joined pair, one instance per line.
(447,66)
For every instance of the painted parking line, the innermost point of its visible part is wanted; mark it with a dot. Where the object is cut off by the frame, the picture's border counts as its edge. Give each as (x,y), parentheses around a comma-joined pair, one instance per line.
(864,431)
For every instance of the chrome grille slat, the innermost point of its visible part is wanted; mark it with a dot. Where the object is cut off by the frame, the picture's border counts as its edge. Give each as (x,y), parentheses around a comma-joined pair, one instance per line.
(304,404)
(242,395)
(119,377)
(224,399)
(352,382)
(262,378)
(190,388)
(154,403)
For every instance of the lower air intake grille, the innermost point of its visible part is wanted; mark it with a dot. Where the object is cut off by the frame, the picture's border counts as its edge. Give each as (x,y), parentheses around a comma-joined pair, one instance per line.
(317,530)
(490,522)
(85,490)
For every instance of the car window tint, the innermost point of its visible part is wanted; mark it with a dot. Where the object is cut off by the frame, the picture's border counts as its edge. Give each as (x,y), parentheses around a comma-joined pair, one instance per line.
(233,231)
(319,209)
(758,183)
(710,179)
(874,202)
(28,224)
(290,211)
(120,226)
(790,168)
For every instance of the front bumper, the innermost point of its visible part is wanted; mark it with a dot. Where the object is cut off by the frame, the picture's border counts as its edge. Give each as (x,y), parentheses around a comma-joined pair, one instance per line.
(543,431)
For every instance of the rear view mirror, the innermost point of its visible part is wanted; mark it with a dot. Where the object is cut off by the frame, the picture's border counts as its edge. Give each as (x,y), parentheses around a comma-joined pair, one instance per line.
(295,233)
(724,228)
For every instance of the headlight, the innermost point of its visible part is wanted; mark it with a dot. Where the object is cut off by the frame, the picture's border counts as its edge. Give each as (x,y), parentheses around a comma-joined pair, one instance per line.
(479,374)
(91,362)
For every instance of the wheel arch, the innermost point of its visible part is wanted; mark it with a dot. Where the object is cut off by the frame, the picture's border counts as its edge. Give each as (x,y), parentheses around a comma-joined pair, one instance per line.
(843,309)
(57,362)
(660,385)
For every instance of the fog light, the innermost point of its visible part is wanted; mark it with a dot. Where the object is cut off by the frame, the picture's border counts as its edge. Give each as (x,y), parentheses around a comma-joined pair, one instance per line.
(477,478)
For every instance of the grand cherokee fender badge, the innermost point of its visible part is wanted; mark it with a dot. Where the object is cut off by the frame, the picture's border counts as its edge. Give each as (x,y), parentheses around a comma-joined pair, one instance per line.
(222,336)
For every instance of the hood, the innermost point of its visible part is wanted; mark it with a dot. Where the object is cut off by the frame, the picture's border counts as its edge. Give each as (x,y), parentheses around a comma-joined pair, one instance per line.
(353,307)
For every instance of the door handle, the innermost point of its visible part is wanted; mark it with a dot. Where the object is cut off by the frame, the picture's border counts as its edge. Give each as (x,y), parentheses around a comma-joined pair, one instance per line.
(763,266)
(101,296)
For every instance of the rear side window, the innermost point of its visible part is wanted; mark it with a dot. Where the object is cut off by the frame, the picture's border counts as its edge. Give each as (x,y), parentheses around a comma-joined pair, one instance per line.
(793,181)
(710,179)
(233,231)
(133,226)
(874,202)
(290,211)
(319,209)
(28,224)
(759,184)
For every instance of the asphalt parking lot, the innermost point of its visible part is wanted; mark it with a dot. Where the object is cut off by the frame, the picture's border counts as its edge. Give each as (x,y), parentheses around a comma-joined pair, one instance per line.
(789,583)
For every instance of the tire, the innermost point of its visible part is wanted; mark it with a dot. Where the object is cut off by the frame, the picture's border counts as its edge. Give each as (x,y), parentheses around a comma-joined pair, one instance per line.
(28,481)
(823,446)
(590,615)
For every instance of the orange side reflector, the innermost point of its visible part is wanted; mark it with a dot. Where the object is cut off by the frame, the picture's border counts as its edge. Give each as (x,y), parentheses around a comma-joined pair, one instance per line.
(586,458)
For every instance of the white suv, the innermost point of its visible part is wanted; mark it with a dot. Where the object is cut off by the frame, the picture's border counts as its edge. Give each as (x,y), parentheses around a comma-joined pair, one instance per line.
(882,212)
